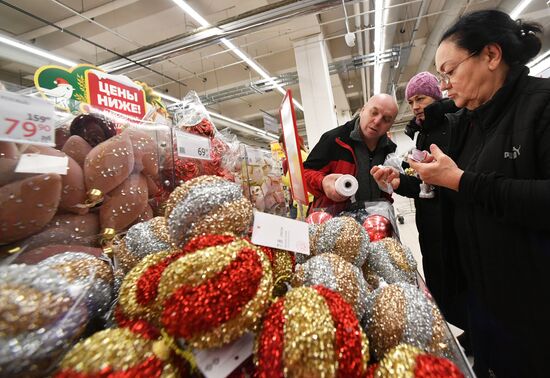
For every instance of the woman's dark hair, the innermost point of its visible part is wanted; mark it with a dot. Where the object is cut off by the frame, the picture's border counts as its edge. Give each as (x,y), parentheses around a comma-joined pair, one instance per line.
(518,40)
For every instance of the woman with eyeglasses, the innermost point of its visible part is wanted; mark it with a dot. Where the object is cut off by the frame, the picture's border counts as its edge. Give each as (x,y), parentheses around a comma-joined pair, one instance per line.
(497,172)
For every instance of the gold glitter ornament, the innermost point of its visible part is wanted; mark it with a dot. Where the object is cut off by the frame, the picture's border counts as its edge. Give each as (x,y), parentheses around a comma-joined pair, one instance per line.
(401,313)
(39,320)
(391,262)
(207,205)
(344,237)
(120,352)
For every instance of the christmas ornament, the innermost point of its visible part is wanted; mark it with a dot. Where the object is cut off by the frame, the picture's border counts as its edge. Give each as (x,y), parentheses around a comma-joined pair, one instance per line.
(41,316)
(283,264)
(93,128)
(93,275)
(335,273)
(206,295)
(342,236)
(311,332)
(378,227)
(34,256)
(318,217)
(77,148)
(405,361)
(391,262)
(400,313)
(145,151)
(119,353)
(207,205)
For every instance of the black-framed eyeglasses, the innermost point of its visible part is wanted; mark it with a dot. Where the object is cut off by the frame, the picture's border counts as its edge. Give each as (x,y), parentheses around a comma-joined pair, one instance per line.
(445,77)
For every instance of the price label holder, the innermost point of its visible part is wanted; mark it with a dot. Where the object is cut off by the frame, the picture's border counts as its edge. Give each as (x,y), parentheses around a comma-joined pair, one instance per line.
(192,146)
(220,362)
(280,232)
(26,119)
(37,163)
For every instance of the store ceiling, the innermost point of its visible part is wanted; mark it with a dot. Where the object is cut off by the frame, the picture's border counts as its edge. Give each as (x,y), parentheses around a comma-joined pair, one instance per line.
(177,56)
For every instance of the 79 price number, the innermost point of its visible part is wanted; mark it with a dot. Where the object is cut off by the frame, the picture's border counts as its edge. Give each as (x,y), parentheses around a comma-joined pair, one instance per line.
(33,124)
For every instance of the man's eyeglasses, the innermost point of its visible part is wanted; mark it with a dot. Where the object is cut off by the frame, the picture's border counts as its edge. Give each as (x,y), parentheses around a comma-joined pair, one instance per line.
(445,77)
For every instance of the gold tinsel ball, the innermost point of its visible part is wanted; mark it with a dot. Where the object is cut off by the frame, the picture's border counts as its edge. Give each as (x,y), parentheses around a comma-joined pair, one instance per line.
(343,236)
(118,352)
(311,332)
(205,297)
(207,205)
(41,315)
(391,262)
(401,313)
(337,274)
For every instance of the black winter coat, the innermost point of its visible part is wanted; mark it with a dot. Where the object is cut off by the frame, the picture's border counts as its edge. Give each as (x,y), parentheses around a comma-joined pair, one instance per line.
(434,130)
(498,225)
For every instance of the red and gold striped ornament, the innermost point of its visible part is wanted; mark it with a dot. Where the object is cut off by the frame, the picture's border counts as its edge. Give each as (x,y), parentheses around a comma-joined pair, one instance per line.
(407,361)
(311,332)
(120,353)
(206,295)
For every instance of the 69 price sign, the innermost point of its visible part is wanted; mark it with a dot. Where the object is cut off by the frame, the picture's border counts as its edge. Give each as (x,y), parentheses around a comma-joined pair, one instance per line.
(26,120)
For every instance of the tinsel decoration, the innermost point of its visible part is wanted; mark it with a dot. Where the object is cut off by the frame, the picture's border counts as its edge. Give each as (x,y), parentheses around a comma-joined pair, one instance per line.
(343,236)
(391,262)
(119,353)
(311,332)
(407,361)
(207,205)
(142,239)
(95,276)
(41,315)
(400,313)
(206,295)
(337,274)
(283,264)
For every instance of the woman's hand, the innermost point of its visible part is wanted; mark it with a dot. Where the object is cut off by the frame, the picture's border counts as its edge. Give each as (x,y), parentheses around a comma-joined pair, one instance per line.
(329,187)
(385,175)
(438,169)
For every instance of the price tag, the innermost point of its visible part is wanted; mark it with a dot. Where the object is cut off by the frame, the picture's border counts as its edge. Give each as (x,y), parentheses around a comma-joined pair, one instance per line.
(26,119)
(193,146)
(220,362)
(254,156)
(280,232)
(36,163)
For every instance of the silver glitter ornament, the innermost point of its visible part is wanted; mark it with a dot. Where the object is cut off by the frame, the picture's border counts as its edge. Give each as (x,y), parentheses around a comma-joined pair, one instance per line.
(390,262)
(40,316)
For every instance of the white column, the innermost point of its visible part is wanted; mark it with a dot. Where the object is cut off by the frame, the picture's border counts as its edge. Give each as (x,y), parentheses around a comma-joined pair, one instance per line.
(315,87)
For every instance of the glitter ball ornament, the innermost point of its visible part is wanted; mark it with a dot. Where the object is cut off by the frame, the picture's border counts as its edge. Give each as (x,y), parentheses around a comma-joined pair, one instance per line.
(119,353)
(77,148)
(342,236)
(207,295)
(311,332)
(337,274)
(142,239)
(407,361)
(391,262)
(400,313)
(93,275)
(283,264)
(318,217)
(39,319)
(93,128)
(145,151)
(207,205)
(378,227)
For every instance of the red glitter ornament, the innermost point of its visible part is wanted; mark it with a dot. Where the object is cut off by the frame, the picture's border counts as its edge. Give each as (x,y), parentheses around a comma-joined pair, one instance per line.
(378,227)
(318,217)
(186,169)
(429,366)
(270,342)
(347,343)
(205,241)
(139,326)
(152,367)
(193,310)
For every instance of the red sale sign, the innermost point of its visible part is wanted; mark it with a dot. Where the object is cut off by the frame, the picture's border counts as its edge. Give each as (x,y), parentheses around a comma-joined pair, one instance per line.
(116,93)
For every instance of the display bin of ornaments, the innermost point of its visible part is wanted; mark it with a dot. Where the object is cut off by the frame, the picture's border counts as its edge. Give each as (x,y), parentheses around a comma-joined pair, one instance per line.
(105,174)
(262,180)
(194,295)
(198,147)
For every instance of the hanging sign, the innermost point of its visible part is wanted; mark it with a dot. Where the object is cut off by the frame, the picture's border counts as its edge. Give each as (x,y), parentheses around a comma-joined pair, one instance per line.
(115,92)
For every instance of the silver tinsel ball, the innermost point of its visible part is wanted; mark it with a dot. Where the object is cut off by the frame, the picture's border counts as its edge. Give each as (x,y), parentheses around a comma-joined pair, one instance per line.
(391,262)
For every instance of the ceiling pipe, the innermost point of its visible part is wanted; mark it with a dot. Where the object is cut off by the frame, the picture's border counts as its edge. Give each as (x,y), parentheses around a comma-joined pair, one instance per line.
(73,20)
(229,29)
(366,41)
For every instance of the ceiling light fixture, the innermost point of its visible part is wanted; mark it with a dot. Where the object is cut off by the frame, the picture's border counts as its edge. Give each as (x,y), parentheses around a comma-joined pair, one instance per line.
(35,50)
(249,61)
(519,8)
(378,44)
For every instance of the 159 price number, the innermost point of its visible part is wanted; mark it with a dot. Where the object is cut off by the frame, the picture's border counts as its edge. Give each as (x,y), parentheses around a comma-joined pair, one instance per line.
(30,126)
